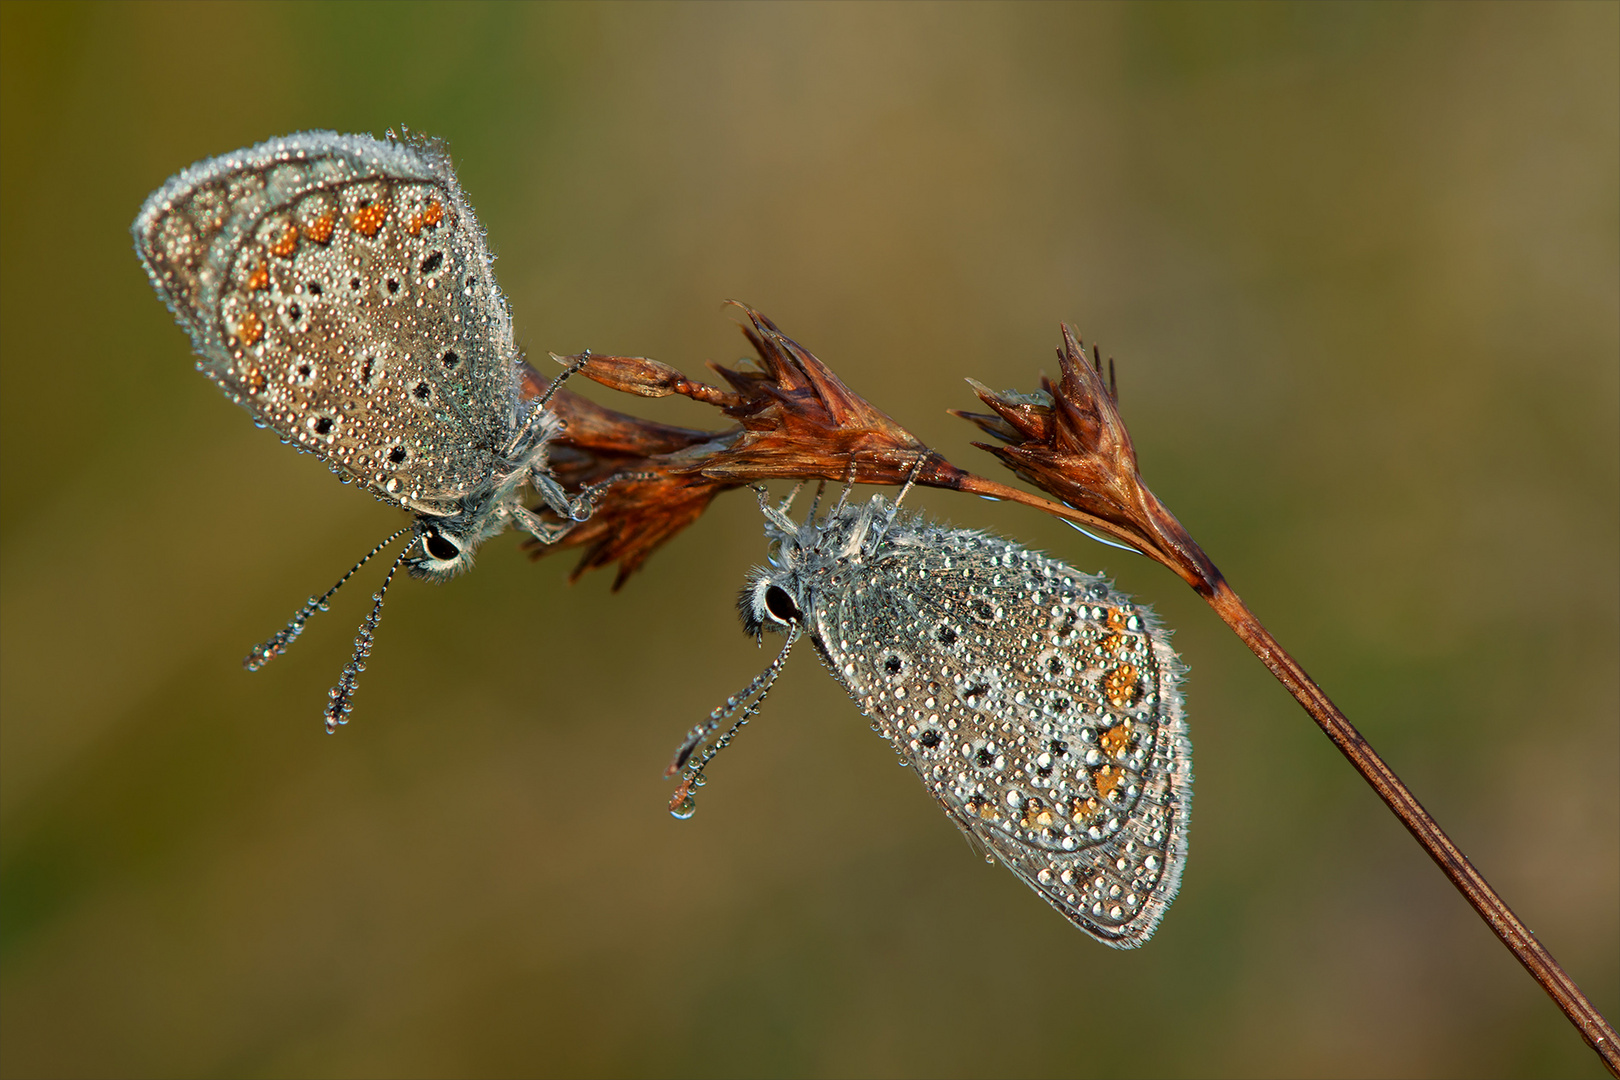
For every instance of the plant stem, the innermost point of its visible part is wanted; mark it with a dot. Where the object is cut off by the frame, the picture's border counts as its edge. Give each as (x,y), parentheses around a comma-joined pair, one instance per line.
(1452,862)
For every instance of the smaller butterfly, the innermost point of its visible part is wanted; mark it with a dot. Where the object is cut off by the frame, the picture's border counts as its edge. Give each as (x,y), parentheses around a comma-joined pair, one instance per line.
(339,288)
(1040,706)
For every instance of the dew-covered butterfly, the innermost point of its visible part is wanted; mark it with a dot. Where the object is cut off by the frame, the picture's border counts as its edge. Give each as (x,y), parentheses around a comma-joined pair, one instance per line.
(339,288)
(1040,706)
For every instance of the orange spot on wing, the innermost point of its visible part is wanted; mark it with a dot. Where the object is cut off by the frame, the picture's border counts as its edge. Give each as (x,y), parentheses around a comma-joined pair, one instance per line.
(253,380)
(1115,738)
(428,218)
(1115,643)
(1108,778)
(981,807)
(368,219)
(1037,816)
(1116,618)
(286,244)
(260,278)
(320,230)
(1120,685)
(250,329)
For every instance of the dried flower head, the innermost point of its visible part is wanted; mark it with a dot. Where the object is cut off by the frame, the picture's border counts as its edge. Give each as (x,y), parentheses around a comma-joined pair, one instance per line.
(1069,440)
(796,420)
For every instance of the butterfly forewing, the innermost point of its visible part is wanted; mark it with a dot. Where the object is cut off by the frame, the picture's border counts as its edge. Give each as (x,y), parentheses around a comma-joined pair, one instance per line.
(1039,706)
(339,288)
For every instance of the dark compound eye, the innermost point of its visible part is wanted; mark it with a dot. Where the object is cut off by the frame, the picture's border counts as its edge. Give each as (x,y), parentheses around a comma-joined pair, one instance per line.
(440,548)
(781,605)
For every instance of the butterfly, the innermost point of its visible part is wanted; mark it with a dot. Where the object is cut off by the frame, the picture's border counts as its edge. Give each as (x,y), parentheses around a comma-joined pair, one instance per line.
(1040,707)
(340,289)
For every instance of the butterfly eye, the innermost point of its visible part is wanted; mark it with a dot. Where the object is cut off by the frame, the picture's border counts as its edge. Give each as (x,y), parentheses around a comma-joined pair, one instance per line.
(780,605)
(439,547)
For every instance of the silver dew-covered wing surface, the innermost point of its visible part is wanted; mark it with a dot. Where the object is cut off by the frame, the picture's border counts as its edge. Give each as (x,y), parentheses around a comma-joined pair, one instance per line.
(339,288)
(1040,706)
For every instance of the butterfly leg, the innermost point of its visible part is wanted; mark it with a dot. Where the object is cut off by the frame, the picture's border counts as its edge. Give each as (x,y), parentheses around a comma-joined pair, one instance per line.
(546,532)
(574,508)
(577,508)
(849,486)
(777,515)
(894,510)
(911,479)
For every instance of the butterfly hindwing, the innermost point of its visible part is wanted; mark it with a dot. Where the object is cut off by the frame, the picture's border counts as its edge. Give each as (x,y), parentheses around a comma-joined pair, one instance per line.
(1038,705)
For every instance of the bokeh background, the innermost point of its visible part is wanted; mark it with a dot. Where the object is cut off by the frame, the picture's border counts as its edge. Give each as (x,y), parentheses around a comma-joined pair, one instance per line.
(1359,267)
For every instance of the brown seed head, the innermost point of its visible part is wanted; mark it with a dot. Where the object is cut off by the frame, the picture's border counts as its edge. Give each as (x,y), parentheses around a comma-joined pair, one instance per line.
(1069,440)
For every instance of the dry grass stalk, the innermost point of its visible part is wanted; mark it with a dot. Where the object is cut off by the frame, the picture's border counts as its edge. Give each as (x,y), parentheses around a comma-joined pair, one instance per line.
(795,419)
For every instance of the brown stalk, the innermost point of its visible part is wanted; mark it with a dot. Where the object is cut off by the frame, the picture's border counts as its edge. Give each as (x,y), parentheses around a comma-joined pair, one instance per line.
(796,420)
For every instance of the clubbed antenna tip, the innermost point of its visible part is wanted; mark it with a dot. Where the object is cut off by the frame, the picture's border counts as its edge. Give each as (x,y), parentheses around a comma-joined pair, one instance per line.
(682,804)
(341,695)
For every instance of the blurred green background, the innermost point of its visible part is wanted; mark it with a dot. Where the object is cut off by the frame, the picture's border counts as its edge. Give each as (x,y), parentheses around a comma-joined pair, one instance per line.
(1359,267)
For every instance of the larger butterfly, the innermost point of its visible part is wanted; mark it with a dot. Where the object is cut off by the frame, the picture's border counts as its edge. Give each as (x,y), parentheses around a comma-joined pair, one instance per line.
(1040,706)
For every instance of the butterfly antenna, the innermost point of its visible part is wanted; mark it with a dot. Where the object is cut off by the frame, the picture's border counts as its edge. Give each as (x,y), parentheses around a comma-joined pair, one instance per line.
(337,709)
(682,804)
(269,650)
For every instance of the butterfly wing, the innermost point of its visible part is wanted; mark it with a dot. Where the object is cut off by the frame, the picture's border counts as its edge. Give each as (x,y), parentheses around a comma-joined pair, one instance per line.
(1039,706)
(339,288)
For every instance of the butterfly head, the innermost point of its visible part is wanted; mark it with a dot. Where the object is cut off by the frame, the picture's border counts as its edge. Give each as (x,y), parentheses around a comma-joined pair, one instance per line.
(769,601)
(443,548)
